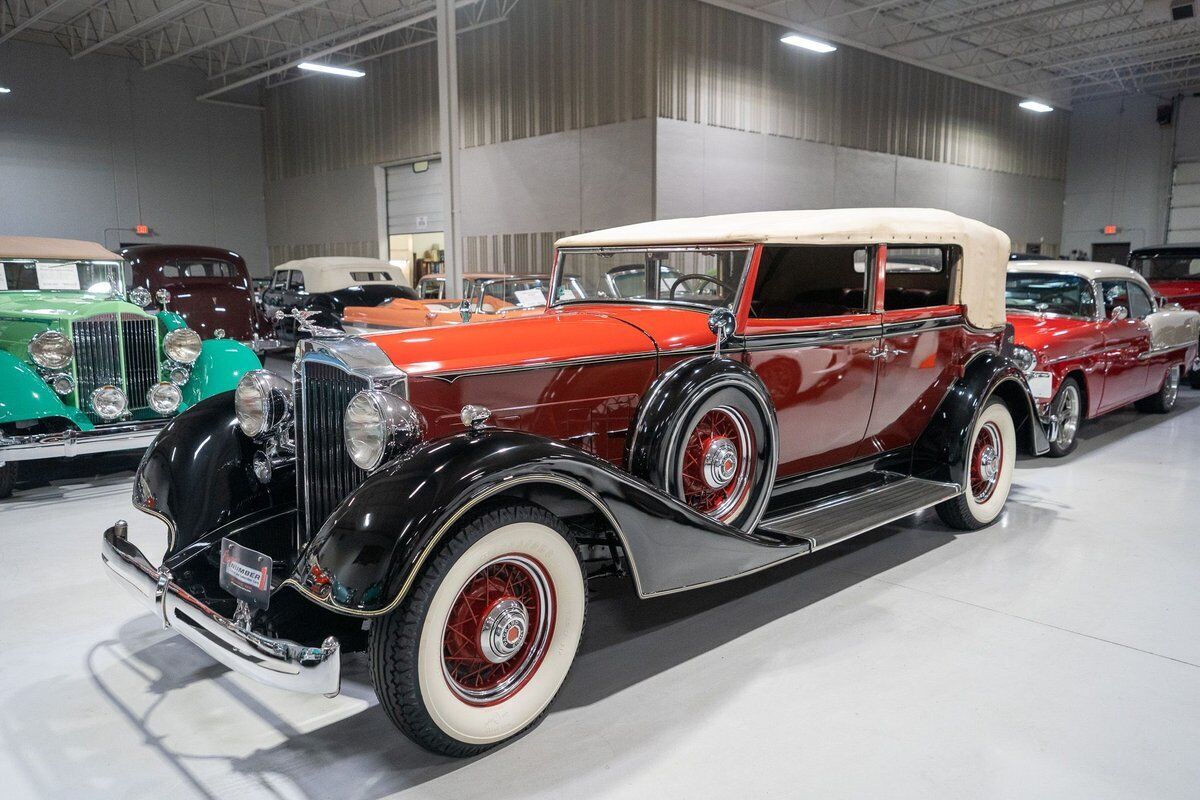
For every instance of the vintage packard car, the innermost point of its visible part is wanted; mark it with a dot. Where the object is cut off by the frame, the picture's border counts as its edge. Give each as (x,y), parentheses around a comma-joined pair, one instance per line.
(208,286)
(84,367)
(487,296)
(439,498)
(325,286)
(1091,338)
(1173,271)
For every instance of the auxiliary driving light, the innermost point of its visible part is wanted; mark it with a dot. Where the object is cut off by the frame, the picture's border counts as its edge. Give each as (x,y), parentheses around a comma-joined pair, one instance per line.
(164,397)
(109,402)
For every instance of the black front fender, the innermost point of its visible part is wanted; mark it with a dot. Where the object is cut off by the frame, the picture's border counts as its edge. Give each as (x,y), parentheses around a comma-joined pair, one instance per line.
(940,453)
(196,475)
(365,558)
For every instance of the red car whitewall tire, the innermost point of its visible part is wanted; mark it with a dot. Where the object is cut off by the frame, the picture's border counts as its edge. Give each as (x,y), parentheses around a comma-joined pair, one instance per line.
(991,455)
(481,645)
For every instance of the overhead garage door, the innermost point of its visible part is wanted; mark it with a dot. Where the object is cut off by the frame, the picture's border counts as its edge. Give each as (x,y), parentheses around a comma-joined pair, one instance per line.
(1184,223)
(414,199)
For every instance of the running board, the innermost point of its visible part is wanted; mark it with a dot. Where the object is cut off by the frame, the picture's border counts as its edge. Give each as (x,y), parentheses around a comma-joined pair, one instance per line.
(836,520)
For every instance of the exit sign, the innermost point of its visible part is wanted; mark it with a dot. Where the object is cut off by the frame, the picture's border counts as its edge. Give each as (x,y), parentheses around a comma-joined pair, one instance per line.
(141,230)
(1110,230)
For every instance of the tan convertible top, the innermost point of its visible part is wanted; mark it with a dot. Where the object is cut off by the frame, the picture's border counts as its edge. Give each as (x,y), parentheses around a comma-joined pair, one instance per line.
(985,250)
(65,249)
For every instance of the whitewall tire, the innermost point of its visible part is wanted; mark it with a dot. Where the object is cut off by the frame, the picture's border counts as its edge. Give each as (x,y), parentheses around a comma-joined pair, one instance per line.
(990,457)
(483,642)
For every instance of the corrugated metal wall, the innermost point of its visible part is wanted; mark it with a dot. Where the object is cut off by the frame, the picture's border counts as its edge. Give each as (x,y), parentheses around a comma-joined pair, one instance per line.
(283,252)
(318,125)
(721,68)
(559,65)
(520,253)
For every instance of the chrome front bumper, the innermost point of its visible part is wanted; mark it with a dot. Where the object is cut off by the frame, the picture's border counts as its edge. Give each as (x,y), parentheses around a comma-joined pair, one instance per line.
(105,439)
(276,662)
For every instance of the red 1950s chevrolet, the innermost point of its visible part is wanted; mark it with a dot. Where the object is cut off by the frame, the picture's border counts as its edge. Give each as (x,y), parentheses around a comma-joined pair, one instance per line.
(732,392)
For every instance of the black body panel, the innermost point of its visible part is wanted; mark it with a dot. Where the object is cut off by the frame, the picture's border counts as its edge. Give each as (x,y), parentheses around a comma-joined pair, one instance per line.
(197,474)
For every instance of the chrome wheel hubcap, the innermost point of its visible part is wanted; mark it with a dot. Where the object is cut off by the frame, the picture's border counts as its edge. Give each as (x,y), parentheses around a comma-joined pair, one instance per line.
(720,463)
(1066,416)
(503,631)
(1171,388)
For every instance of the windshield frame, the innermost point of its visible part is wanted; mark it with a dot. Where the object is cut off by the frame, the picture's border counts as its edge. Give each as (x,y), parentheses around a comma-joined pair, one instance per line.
(751,250)
(1097,315)
(116,269)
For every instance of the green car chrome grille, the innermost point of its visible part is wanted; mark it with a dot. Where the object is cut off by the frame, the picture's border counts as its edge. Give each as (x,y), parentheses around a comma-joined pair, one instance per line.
(122,352)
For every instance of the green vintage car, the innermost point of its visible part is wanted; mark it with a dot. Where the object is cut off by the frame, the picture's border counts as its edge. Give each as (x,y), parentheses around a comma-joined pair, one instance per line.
(85,369)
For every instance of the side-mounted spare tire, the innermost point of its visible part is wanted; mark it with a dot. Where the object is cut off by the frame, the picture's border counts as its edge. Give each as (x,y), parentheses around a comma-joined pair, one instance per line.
(706,433)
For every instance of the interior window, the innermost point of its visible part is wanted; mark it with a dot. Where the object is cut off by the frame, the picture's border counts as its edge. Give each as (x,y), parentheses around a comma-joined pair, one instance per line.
(918,277)
(296,281)
(809,281)
(1140,305)
(1116,295)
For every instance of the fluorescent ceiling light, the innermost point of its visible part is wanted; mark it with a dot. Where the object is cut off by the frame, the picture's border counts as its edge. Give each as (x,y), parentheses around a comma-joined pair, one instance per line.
(1034,105)
(816,45)
(343,71)
(5,90)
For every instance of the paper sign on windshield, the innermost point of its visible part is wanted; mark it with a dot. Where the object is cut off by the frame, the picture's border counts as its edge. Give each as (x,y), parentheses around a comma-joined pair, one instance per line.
(530,297)
(58,276)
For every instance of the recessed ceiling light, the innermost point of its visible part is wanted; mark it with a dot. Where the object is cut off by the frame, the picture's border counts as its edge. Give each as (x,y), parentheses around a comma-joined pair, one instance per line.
(1034,105)
(5,90)
(343,71)
(816,45)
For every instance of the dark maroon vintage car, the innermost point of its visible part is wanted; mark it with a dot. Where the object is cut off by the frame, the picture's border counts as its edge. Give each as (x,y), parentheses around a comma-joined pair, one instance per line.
(208,286)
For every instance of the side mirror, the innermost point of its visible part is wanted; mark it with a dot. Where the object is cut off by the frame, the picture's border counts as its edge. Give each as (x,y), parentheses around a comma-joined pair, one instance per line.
(1119,313)
(721,322)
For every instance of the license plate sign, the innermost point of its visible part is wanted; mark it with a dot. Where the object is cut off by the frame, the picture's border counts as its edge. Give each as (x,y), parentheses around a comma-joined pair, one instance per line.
(1042,385)
(245,574)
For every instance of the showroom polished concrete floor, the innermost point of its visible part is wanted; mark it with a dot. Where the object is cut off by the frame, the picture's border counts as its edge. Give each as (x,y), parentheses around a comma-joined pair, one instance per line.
(1055,654)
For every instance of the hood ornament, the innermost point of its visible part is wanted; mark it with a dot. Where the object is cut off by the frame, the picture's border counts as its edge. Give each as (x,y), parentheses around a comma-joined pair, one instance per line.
(304,322)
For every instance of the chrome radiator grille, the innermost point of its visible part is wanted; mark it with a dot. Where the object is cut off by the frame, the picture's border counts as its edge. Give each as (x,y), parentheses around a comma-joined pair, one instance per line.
(123,353)
(325,472)
(140,346)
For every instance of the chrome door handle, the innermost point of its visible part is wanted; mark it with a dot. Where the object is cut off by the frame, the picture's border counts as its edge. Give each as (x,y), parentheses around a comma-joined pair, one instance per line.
(886,352)
(877,352)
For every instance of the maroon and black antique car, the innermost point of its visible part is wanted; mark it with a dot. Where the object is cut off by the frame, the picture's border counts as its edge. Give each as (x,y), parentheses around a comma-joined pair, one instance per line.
(1092,338)
(774,384)
(207,286)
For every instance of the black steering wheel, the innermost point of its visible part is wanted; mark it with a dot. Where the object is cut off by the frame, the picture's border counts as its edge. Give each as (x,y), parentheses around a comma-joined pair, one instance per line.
(698,276)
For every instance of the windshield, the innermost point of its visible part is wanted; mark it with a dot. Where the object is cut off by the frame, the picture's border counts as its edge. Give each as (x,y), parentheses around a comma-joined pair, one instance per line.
(707,277)
(492,296)
(1068,295)
(1182,267)
(94,277)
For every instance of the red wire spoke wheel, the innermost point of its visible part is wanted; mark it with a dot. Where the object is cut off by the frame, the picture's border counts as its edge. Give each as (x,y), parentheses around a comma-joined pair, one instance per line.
(717,463)
(498,629)
(987,460)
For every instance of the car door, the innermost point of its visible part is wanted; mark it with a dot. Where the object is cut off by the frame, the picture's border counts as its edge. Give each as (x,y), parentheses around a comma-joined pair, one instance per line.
(809,336)
(917,355)
(1126,340)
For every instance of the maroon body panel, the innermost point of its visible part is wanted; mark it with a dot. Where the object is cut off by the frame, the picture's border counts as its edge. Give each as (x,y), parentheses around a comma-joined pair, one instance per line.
(208,304)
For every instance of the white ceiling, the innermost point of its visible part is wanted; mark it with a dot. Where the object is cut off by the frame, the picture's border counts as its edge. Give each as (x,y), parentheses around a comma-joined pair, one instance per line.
(1058,50)
(1062,51)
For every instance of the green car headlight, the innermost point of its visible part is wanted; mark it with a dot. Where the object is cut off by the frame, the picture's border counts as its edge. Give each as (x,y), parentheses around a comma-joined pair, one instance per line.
(182,345)
(51,350)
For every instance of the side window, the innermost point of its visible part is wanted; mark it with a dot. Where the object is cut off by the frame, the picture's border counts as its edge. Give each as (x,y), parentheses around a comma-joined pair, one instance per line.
(809,281)
(1087,299)
(1140,305)
(280,279)
(1116,295)
(919,277)
(296,281)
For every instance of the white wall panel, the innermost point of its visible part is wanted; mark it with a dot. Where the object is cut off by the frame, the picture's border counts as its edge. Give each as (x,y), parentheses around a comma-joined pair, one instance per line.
(88,148)
(695,170)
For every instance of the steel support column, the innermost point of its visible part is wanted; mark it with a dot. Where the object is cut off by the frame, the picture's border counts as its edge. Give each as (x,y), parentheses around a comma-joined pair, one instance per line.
(447,60)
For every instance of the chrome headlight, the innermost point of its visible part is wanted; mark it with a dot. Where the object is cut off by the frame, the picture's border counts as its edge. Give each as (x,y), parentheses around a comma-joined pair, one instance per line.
(164,397)
(182,345)
(51,349)
(139,296)
(1024,359)
(62,383)
(109,403)
(163,297)
(379,426)
(263,403)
